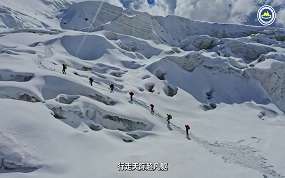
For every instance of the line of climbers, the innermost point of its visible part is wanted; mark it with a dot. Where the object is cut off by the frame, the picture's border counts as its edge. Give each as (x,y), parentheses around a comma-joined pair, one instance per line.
(111,87)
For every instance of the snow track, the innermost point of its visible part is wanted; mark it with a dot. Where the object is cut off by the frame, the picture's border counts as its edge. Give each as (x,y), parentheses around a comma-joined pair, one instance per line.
(234,153)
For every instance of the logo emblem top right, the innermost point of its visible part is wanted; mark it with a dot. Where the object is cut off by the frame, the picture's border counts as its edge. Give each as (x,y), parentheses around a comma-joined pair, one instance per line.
(266,15)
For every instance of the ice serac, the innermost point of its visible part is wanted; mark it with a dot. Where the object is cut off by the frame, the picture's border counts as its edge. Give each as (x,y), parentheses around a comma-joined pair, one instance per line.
(189,61)
(184,28)
(12,15)
(94,16)
(97,16)
(243,50)
(272,80)
(228,83)
(86,16)
(199,42)
(140,25)
(269,71)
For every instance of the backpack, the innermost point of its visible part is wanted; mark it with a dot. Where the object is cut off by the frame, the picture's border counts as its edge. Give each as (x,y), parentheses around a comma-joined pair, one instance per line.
(112,86)
(131,93)
(187,127)
(169,116)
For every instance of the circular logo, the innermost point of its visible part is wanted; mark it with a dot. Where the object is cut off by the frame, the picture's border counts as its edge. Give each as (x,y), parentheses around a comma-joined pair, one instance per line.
(266,15)
(150,2)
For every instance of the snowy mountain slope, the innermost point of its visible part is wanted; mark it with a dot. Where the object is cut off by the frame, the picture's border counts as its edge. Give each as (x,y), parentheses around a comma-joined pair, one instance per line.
(87,16)
(90,16)
(19,15)
(56,125)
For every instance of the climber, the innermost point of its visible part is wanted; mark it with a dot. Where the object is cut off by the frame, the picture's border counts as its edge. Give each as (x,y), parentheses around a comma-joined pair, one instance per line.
(131,95)
(151,107)
(187,129)
(64,68)
(168,118)
(111,88)
(91,81)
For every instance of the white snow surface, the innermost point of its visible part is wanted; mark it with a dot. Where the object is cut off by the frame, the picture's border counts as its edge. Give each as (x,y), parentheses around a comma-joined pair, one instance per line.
(226,81)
